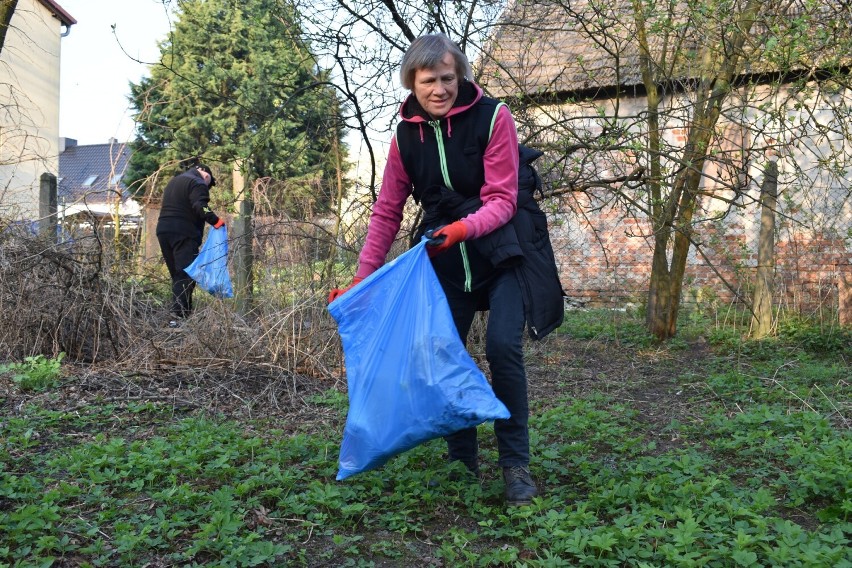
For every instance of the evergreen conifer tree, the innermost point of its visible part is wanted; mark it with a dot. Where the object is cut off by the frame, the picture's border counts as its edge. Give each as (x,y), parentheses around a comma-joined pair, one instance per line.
(236,82)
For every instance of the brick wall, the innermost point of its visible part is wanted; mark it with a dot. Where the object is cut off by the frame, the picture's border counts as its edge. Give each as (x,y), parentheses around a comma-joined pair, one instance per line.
(604,259)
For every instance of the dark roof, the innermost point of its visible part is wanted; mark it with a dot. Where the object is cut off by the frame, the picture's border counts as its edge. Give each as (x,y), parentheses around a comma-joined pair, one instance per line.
(78,164)
(584,47)
(541,47)
(59,12)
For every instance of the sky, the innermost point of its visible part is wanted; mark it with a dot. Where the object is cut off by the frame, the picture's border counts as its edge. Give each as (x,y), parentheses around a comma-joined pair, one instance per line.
(95,71)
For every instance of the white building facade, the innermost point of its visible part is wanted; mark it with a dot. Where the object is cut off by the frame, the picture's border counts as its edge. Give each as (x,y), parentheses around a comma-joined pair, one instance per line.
(29,104)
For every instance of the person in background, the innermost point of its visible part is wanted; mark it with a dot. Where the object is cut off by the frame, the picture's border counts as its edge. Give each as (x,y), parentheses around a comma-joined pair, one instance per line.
(180,228)
(456,153)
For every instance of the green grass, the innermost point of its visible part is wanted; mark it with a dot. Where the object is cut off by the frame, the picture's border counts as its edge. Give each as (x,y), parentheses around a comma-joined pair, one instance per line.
(35,373)
(759,476)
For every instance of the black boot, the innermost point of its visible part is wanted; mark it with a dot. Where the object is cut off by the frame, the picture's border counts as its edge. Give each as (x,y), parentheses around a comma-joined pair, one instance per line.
(520,487)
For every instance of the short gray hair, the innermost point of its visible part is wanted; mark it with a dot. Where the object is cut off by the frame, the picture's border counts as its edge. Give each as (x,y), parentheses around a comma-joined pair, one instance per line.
(426,52)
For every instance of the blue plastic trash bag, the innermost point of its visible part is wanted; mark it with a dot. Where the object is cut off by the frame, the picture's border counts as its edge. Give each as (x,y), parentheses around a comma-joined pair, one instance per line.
(410,377)
(210,267)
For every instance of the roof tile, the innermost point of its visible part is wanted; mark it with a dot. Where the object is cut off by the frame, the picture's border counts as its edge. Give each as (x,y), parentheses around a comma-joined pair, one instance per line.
(77,163)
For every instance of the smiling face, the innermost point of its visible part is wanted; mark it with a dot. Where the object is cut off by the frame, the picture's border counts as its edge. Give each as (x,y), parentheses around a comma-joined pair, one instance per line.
(436,88)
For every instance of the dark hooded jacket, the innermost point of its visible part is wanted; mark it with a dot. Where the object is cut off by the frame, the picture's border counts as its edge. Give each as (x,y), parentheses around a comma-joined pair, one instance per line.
(185,206)
(522,244)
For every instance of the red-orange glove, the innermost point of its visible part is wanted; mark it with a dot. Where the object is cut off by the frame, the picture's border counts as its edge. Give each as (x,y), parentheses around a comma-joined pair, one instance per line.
(337,292)
(219,224)
(444,237)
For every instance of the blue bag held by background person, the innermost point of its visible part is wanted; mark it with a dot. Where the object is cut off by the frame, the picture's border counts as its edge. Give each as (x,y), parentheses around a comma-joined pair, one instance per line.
(409,375)
(210,267)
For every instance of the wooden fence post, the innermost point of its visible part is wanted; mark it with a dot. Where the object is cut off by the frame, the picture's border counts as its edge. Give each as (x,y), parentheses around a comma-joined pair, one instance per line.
(764,279)
(844,293)
(150,246)
(243,238)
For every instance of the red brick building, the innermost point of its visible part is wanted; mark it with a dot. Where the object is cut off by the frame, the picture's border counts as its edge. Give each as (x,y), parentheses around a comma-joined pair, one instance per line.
(573,76)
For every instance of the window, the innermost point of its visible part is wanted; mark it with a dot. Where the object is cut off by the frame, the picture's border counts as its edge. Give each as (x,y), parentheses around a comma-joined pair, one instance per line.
(115,179)
(90,180)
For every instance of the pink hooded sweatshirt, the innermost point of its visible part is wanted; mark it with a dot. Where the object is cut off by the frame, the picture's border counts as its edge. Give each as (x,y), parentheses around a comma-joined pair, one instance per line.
(499,194)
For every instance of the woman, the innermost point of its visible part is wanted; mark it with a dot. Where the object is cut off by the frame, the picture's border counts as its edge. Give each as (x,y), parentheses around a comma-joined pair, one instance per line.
(456,153)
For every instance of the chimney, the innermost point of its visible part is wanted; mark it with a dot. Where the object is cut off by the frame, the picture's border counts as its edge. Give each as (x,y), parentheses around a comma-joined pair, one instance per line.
(65,143)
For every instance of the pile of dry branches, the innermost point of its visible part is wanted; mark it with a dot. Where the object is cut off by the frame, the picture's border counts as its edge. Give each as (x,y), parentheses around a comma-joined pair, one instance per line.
(110,319)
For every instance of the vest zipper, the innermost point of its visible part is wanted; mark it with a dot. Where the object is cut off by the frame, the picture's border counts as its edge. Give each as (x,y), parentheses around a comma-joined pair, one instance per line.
(442,156)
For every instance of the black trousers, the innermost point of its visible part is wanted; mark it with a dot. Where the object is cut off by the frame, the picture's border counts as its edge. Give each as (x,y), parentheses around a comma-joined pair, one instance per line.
(179,251)
(504,352)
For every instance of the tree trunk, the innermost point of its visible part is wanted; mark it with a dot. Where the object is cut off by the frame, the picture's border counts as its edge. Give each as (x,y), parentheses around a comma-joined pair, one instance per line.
(682,243)
(659,300)
(658,292)
(666,285)
(332,250)
(7,9)
(764,285)
(719,65)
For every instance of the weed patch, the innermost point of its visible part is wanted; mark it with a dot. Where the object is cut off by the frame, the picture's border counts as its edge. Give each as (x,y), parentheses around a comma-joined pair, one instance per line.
(705,455)
(36,373)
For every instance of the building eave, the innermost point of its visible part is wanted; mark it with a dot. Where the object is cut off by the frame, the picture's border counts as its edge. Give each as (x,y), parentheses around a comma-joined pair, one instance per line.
(59,12)
(608,92)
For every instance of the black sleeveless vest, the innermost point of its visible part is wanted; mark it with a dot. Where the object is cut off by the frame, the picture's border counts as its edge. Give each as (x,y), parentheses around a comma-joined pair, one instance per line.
(451,152)
(450,155)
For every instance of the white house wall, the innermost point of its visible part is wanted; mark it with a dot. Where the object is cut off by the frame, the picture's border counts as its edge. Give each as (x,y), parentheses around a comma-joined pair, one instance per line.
(29,108)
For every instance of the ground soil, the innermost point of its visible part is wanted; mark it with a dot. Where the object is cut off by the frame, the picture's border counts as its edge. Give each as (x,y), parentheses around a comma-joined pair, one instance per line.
(648,380)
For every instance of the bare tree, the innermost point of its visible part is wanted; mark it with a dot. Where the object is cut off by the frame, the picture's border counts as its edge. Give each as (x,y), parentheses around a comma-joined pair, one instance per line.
(362,42)
(665,110)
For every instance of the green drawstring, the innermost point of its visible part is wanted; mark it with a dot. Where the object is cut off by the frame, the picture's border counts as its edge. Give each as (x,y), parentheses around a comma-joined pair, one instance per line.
(436,125)
(467,276)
